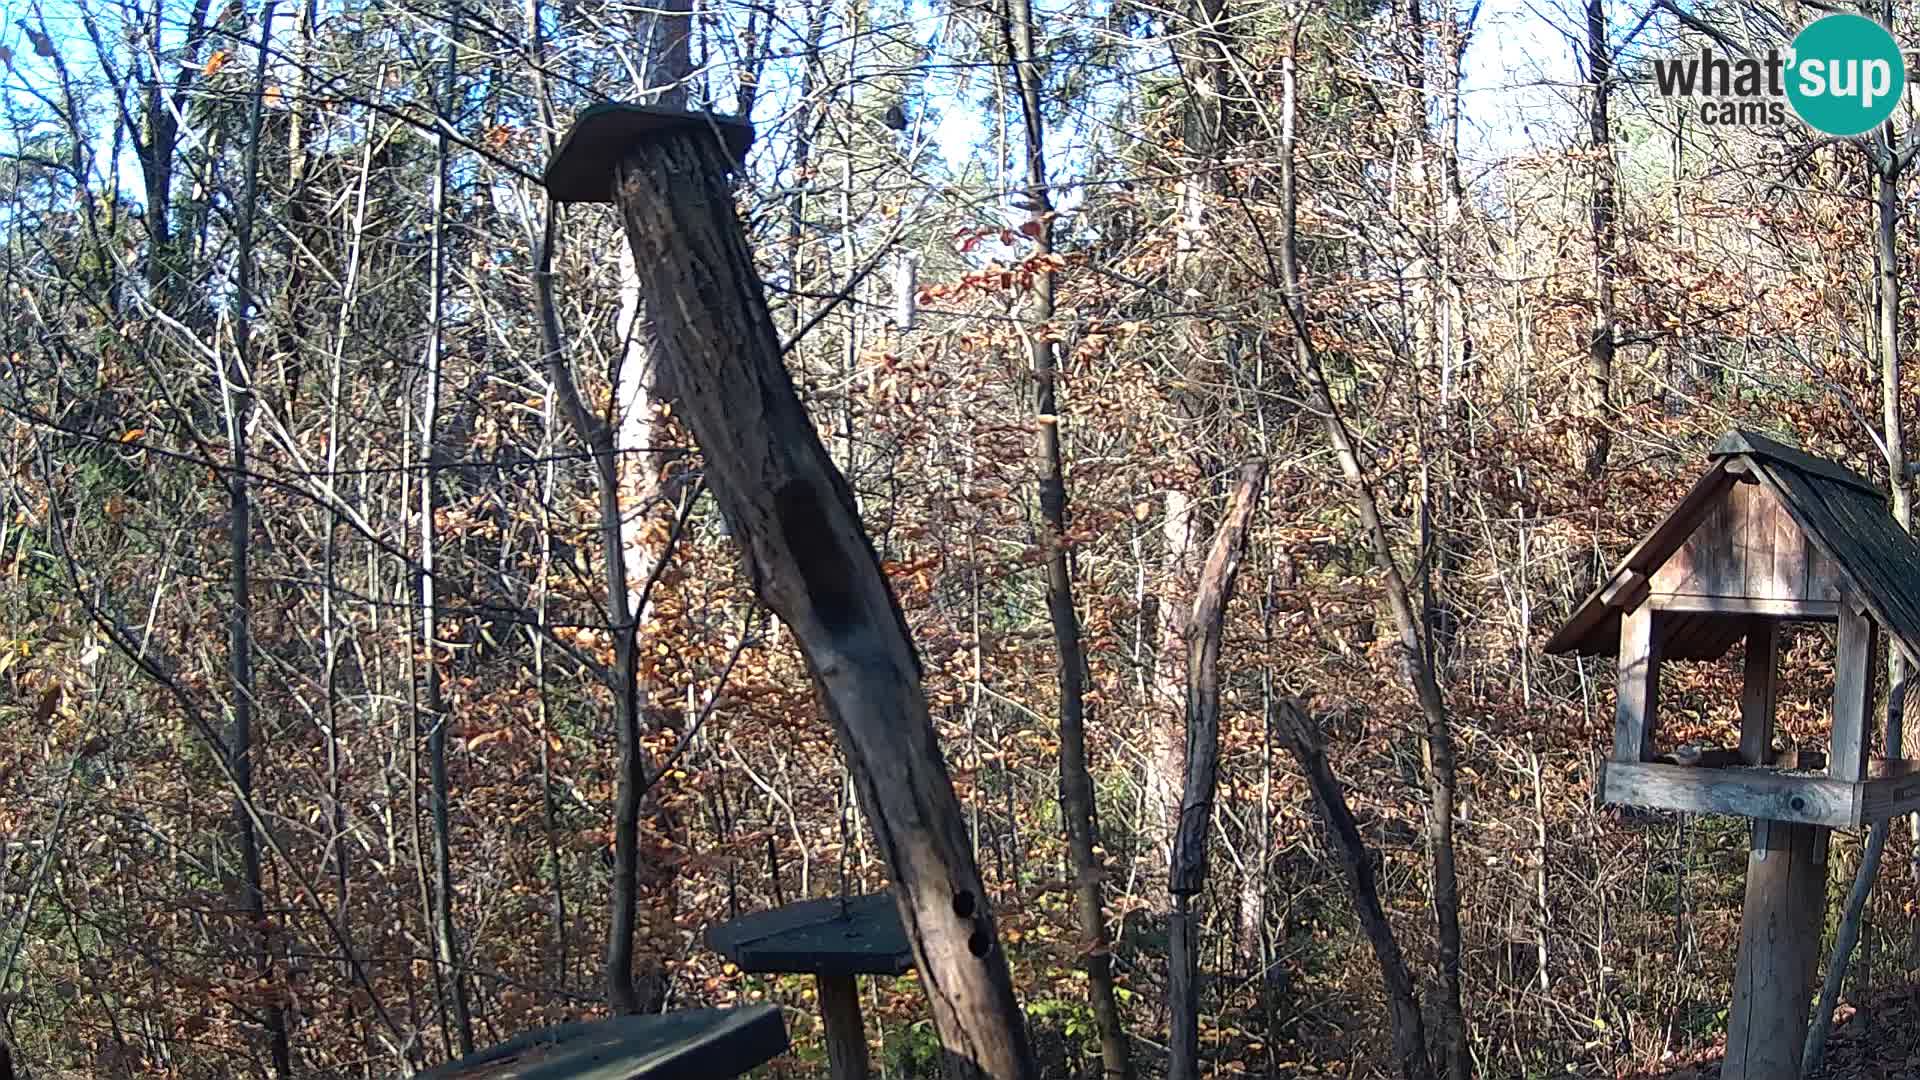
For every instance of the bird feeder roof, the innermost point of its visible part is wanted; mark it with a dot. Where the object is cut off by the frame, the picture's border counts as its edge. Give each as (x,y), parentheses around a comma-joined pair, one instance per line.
(1768,530)
(582,168)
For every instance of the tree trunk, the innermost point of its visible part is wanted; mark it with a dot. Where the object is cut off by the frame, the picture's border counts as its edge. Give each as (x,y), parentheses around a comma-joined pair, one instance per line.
(155,145)
(1414,656)
(1891,162)
(1205,65)
(812,563)
(638,501)
(239,408)
(447,952)
(1298,735)
(1187,873)
(1852,917)
(634,764)
(1602,213)
(1076,781)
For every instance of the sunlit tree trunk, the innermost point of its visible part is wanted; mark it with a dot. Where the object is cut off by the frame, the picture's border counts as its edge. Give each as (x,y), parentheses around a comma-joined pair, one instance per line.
(447,951)
(1076,779)
(237,387)
(643,512)
(1602,210)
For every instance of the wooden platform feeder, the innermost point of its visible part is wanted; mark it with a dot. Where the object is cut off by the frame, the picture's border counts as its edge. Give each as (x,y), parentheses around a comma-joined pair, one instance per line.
(698,1044)
(835,941)
(1769,535)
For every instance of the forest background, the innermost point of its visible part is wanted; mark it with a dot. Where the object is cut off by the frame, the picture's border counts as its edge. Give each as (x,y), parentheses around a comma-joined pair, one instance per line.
(324,744)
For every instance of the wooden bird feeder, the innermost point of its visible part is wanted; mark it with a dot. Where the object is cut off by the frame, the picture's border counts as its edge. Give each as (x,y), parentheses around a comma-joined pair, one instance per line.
(697,1044)
(835,941)
(1769,535)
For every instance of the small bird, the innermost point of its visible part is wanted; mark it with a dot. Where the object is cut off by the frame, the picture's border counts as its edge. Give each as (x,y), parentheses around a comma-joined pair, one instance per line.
(895,117)
(42,44)
(1687,754)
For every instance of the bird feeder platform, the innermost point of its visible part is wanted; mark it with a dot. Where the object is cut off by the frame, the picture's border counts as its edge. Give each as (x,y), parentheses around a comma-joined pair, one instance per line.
(1769,535)
(835,941)
(698,1044)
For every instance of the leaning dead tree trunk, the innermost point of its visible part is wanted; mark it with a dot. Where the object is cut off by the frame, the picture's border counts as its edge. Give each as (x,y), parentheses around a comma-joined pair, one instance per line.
(1187,874)
(1302,740)
(812,563)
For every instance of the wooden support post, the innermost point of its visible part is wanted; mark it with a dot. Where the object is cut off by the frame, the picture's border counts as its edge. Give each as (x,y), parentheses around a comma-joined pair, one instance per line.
(1757,692)
(1779,936)
(846,1034)
(1639,694)
(1853,657)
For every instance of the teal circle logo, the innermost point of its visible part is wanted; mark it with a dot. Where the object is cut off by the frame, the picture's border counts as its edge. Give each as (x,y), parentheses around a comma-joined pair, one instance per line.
(1846,74)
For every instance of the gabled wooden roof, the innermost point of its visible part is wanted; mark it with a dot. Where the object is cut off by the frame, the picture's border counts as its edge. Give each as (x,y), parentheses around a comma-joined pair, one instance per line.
(1843,517)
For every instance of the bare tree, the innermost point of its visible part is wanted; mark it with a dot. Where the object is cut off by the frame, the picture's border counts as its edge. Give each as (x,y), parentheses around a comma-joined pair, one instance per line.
(1076,781)
(447,951)
(236,383)
(1414,656)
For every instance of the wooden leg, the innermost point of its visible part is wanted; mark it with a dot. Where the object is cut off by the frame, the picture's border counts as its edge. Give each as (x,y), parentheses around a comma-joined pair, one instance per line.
(846,1034)
(1779,939)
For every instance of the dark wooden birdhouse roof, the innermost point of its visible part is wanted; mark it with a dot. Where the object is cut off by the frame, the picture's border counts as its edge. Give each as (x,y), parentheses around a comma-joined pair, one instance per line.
(1769,531)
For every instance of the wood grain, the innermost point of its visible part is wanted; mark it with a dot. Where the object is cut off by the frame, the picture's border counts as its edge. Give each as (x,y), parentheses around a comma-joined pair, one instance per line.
(1757,691)
(1639,686)
(1779,936)
(1754,793)
(846,1033)
(1853,660)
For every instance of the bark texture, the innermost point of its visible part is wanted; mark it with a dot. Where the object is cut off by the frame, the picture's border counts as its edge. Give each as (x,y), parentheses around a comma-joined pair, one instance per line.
(1187,874)
(1302,740)
(1602,214)
(811,562)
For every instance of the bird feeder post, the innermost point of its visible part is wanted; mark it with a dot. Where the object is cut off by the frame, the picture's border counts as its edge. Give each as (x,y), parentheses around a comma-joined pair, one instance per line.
(835,941)
(845,1030)
(1779,936)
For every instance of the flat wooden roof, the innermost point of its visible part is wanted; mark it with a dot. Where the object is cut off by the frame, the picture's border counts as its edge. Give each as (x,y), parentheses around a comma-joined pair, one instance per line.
(861,935)
(582,168)
(696,1042)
